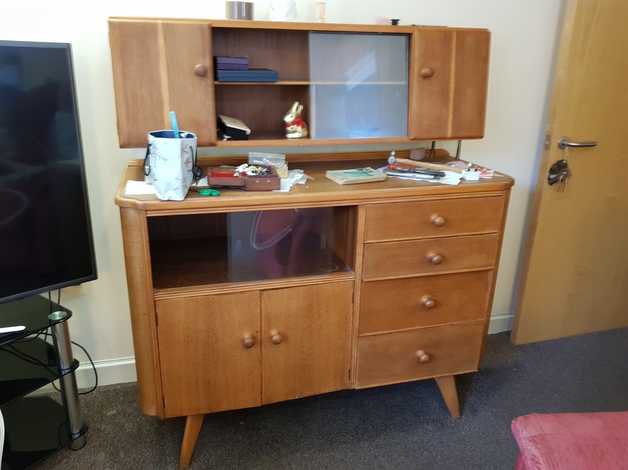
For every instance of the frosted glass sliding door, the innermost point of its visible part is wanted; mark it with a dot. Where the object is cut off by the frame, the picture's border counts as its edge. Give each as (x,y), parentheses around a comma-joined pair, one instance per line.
(358,85)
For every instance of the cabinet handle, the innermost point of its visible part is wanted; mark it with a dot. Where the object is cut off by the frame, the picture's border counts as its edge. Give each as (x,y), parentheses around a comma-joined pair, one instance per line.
(422,356)
(427,72)
(200,70)
(438,220)
(248,341)
(427,301)
(434,258)
(275,337)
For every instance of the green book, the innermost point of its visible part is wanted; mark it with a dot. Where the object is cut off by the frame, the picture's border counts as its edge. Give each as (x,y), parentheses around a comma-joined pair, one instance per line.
(356,175)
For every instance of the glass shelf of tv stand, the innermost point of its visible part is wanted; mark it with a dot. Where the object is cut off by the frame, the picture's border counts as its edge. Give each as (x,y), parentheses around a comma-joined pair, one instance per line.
(27,361)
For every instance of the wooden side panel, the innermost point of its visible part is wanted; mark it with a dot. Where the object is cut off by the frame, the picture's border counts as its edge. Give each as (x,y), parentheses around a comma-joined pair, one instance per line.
(138,275)
(206,366)
(138,79)
(471,83)
(430,102)
(153,71)
(309,355)
(192,97)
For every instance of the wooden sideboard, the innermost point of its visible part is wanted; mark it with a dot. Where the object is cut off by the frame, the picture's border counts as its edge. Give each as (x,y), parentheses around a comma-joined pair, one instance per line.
(376,84)
(367,285)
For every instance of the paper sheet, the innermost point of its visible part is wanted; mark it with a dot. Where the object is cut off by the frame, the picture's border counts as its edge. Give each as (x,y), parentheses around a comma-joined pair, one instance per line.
(138,188)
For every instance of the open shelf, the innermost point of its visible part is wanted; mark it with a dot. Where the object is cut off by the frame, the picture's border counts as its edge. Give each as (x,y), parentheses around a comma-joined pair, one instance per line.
(32,312)
(209,249)
(27,365)
(309,83)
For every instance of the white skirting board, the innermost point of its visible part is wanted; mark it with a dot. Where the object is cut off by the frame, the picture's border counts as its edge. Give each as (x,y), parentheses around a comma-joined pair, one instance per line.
(122,370)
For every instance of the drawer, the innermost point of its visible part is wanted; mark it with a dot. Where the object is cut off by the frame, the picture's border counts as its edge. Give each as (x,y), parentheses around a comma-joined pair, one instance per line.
(423,301)
(419,354)
(431,256)
(434,218)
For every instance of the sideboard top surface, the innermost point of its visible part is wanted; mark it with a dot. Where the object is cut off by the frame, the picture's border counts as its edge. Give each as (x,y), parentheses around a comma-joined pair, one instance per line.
(318,191)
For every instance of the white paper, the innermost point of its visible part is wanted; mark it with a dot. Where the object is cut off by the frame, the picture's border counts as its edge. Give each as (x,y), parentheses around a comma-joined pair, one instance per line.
(138,188)
(294,177)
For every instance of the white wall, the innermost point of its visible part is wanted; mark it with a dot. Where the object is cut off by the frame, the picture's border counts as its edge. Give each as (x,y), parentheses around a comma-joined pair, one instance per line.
(523,42)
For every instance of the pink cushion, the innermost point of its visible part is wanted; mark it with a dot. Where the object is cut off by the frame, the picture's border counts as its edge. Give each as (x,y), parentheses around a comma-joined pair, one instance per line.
(573,441)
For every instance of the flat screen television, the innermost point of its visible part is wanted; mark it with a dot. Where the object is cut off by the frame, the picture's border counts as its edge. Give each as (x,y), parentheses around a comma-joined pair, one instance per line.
(45,229)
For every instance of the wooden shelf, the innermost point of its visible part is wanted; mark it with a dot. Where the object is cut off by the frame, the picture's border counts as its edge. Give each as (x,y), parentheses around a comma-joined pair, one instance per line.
(278,83)
(277,140)
(307,83)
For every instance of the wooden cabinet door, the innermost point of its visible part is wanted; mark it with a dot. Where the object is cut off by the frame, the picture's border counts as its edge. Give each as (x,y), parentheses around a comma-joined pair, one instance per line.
(305,340)
(209,353)
(449,78)
(161,66)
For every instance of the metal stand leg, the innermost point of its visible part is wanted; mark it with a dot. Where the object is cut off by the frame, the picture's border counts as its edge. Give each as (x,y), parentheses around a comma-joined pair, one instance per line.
(69,390)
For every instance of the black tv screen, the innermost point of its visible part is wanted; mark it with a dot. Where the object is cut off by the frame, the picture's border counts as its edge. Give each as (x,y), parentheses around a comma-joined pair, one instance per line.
(45,230)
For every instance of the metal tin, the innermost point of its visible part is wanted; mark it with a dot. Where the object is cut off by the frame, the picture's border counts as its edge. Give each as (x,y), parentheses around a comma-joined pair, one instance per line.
(236,10)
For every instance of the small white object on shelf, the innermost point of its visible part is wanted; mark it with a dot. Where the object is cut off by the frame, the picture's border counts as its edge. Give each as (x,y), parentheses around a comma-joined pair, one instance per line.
(138,188)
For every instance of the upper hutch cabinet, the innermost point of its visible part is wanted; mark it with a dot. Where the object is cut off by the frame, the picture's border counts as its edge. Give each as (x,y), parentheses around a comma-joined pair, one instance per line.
(385,84)
(450,77)
(159,66)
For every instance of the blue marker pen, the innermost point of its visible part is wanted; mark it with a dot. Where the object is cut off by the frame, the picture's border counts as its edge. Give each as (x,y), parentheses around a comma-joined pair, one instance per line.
(174,124)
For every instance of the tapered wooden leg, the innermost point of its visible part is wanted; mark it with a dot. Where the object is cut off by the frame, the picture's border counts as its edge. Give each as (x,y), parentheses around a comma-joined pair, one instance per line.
(192,428)
(447,387)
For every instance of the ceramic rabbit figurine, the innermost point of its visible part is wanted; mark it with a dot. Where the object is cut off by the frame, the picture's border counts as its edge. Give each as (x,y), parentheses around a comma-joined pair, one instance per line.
(296,127)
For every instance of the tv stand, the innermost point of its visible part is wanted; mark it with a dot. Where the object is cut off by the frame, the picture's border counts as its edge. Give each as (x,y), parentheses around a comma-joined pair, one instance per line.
(28,363)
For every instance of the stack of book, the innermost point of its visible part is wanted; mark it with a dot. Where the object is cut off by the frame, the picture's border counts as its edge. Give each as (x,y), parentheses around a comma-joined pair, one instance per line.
(236,69)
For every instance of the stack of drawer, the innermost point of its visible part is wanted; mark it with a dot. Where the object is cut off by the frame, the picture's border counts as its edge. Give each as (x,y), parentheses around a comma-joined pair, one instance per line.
(427,277)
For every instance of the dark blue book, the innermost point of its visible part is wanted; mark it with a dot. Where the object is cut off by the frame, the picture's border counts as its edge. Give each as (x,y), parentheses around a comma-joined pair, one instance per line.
(250,75)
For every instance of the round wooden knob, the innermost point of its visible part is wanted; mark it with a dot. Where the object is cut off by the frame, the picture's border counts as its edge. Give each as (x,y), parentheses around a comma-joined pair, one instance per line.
(422,356)
(200,70)
(427,72)
(427,301)
(248,341)
(275,337)
(434,258)
(437,220)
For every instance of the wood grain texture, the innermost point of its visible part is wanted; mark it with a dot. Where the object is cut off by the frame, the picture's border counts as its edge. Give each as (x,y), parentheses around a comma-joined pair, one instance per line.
(139,103)
(357,291)
(468,115)
(140,289)
(414,220)
(447,387)
(577,238)
(397,304)
(205,366)
(430,96)
(407,258)
(391,357)
(191,96)
(314,325)
(193,426)
(153,63)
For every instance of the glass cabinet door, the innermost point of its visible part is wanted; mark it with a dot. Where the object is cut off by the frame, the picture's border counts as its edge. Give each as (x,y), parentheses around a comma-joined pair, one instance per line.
(358,85)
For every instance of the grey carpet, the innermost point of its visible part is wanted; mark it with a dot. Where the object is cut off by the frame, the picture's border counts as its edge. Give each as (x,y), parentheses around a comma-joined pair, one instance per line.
(402,426)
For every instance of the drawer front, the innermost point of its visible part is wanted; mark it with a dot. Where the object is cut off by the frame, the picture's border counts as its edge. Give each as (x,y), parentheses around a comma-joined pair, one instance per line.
(423,301)
(434,218)
(431,256)
(419,354)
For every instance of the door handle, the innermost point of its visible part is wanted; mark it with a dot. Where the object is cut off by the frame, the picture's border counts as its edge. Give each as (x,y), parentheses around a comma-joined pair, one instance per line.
(565,142)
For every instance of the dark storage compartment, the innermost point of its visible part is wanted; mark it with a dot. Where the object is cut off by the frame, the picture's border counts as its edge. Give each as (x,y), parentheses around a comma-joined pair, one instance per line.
(190,250)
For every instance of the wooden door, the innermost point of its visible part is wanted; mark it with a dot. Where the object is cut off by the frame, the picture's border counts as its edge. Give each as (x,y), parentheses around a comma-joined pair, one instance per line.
(576,273)
(449,78)
(305,338)
(209,353)
(161,66)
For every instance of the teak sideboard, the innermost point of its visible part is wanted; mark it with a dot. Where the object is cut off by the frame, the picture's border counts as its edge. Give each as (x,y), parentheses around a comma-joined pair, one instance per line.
(358,83)
(343,287)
